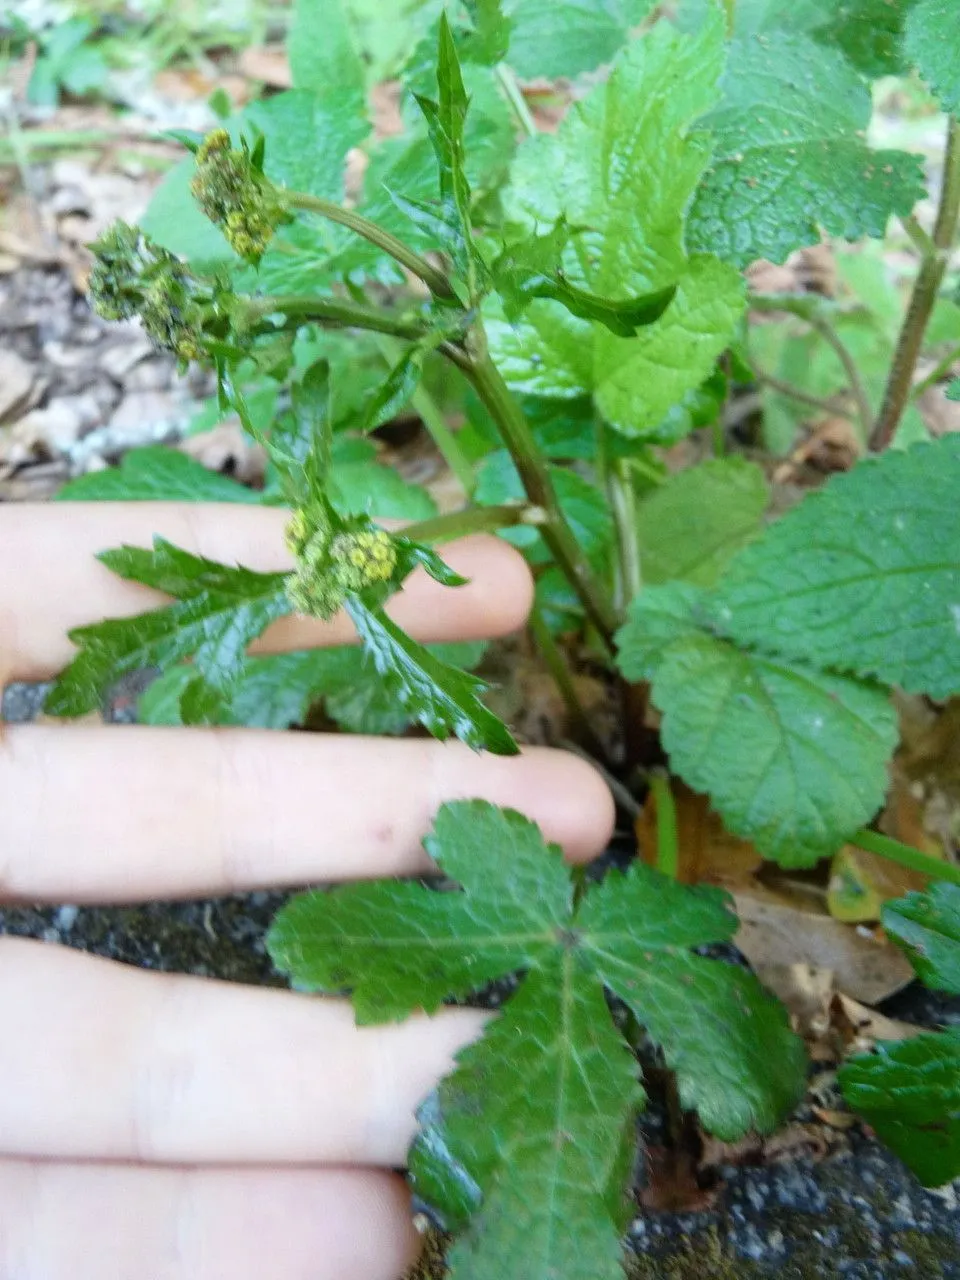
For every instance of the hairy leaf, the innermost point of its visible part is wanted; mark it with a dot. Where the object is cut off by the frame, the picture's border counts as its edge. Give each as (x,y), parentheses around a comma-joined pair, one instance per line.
(218,610)
(927,927)
(909,1092)
(156,473)
(621,171)
(443,699)
(790,157)
(323,56)
(863,575)
(792,758)
(531,1136)
(933,44)
(692,526)
(278,691)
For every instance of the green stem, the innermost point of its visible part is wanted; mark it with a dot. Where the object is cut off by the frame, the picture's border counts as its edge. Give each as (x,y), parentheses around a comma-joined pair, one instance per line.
(432,418)
(906,855)
(933,267)
(940,370)
(556,664)
(337,313)
(668,845)
(518,103)
(435,280)
(857,387)
(623,504)
(730,8)
(802,397)
(455,524)
(484,377)
(922,241)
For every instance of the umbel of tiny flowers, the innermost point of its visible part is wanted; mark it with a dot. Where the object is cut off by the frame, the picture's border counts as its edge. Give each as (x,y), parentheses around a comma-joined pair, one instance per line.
(133,276)
(230,187)
(334,564)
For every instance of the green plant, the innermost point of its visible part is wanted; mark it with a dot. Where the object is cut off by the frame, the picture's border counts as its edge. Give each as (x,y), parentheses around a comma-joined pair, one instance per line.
(585,289)
(68,59)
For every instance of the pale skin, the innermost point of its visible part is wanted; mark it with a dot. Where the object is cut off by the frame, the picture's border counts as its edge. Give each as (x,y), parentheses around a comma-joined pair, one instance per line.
(176,1127)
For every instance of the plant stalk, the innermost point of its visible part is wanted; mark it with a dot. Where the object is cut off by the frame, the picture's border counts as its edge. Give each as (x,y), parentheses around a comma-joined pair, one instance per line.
(857,388)
(336,313)
(940,370)
(668,844)
(556,664)
(730,9)
(518,103)
(432,418)
(455,524)
(435,279)
(802,397)
(484,377)
(933,267)
(906,855)
(623,503)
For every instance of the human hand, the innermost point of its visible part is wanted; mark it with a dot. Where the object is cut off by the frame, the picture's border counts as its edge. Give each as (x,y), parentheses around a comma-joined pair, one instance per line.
(177,1128)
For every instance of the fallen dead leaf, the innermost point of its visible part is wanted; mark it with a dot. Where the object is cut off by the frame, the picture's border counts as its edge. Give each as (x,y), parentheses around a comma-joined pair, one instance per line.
(708,853)
(775,936)
(863,1027)
(227,449)
(673,1184)
(268,65)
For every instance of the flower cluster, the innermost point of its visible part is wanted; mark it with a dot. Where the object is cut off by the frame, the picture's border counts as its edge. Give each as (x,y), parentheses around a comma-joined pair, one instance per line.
(230,187)
(331,566)
(133,276)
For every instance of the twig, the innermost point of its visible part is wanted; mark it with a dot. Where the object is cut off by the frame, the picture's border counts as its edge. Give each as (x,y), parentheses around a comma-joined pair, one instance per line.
(933,268)
(802,397)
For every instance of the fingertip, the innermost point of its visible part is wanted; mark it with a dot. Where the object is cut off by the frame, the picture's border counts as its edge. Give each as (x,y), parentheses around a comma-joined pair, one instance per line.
(582,814)
(500,582)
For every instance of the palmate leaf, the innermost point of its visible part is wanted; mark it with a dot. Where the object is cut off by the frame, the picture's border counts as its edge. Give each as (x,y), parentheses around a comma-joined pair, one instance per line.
(218,610)
(909,1092)
(621,171)
(863,575)
(927,927)
(790,157)
(932,44)
(792,758)
(531,1136)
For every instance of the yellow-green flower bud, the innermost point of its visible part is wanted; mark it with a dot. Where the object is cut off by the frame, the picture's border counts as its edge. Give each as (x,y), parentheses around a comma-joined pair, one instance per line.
(329,568)
(363,559)
(236,196)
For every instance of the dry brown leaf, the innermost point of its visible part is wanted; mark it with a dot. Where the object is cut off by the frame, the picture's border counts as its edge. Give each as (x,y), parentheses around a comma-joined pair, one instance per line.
(227,449)
(673,1185)
(775,936)
(708,853)
(268,65)
(863,1027)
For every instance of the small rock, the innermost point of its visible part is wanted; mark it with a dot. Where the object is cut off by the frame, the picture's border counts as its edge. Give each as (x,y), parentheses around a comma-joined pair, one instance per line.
(16,384)
(42,433)
(118,360)
(154,374)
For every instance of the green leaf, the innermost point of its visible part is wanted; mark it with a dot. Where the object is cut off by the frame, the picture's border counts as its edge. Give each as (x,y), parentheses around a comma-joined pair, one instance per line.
(278,691)
(443,699)
(373,489)
(692,526)
(532,1134)
(953,391)
(218,610)
(790,156)
(323,56)
(566,37)
(792,758)
(583,504)
(909,1092)
(621,171)
(156,473)
(932,43)
(863,575)
(927,927)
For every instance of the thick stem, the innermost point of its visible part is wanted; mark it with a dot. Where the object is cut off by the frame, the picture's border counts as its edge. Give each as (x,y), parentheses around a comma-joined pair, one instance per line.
(485,378)
(455,524)
(906,855)
(933,267)
(337,313)
(432,418)
(435,280)
(668,845)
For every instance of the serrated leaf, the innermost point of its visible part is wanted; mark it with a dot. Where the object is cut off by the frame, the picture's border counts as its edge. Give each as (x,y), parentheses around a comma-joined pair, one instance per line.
(932,43)
(218,610)
(909,1092)
(692,526)
(531,1136)
(278,691)
(156,473)
(566,37)
(863,575)
(792,758)
(443,699)
(323,56)
(621,171)
(790,158)
(927,927)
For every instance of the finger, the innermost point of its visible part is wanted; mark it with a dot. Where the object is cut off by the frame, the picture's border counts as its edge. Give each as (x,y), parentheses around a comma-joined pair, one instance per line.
(169,1069)
(50,580)
(93,1222)
(96,814)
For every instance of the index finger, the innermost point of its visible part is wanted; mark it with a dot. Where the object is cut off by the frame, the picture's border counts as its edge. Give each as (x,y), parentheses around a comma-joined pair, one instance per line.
(50,580)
